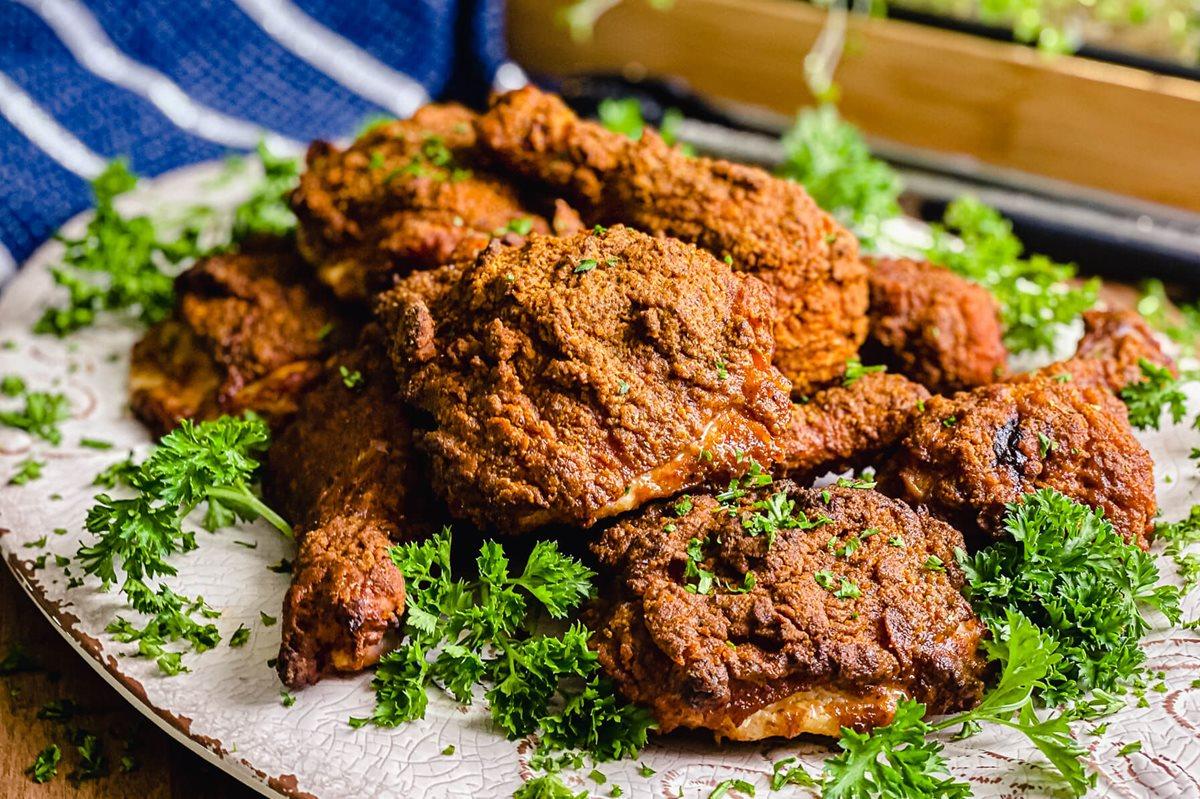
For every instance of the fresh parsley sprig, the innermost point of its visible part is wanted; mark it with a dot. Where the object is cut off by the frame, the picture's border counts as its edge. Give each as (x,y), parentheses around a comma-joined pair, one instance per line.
(900,759)
(1034,292)
(461,634)
(213,463)
(1157,391)
(831,159)
(1064,568)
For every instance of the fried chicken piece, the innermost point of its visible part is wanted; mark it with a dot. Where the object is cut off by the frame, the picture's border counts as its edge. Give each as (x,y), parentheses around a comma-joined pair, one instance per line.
(770,227)
(571,379)
(409,194)
(345,473)
(1109,355)
(838,624)
(850,426)
(933,326)
(249,332)
(970,454)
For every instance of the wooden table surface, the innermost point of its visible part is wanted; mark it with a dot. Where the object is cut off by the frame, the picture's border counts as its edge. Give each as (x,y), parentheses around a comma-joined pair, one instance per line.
(164,768)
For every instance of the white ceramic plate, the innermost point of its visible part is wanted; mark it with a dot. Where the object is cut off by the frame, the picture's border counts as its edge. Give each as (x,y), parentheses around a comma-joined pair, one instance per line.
(228,708)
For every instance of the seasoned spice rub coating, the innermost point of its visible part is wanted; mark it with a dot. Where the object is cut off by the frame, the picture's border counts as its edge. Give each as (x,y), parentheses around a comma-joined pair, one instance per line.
(969,455)
(249,332)
(409,194)
(850,426)
(933,326)
(570,379)
(768,226)
(789,655)
(346,476)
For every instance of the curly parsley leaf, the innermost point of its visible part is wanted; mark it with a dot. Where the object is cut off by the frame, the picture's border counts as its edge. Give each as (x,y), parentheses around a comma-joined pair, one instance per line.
(897,760)
(1158,391)
(212,462)
(1034,293)
(1065,569)
(461,634)
(830,158)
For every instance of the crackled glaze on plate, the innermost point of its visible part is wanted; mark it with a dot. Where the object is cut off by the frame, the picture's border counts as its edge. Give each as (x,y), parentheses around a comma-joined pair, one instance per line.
(228,708)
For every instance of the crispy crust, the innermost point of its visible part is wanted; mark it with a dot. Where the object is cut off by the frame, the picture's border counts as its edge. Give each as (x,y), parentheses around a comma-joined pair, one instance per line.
(769,227)
(248,333)
(788,656)
(409,194)
(933,326)
(969,455)
(563,394)
(847,427)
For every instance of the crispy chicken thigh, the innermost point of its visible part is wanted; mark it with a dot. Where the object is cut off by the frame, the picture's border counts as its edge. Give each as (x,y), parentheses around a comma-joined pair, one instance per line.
(968,455)
(841,619)
(1110,353)
(933,326)
(571,379)
(767,226)
(249,332)
(409,194)
(345,474)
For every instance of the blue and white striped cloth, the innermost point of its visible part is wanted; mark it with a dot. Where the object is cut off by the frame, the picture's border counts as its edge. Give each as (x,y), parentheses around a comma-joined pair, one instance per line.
(172,82)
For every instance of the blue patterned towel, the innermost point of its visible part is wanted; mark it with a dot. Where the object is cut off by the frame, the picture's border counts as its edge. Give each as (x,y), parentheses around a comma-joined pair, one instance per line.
(171,82)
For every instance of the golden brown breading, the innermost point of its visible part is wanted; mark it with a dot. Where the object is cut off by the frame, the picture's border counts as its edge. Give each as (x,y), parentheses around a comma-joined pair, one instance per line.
(570,379)
(933,326)
(409,194)
(847,427)
(1109,354)
(970,454)
(789,655)
(769,227)
(249,332)
(345,474)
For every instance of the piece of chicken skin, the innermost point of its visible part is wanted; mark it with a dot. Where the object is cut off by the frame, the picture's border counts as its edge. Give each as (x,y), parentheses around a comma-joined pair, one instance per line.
(969,455)
(345,473)
(842,618)
(767,226)
(934,327)
(571,379)
(1110,353)
(408,194)
(850,426)
(250,331)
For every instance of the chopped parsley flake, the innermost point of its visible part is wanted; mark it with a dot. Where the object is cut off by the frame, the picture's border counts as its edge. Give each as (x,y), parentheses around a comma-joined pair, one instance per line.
(45,767)
(855,371)
(350,379)
(240,636)
(27,470)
